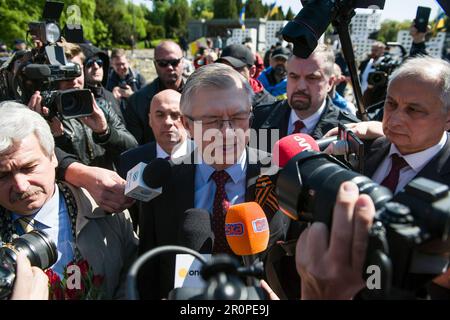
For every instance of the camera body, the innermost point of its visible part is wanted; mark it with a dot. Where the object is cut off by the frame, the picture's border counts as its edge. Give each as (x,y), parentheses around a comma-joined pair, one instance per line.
(383,69)
(40,250)
(312,21)
(415,220)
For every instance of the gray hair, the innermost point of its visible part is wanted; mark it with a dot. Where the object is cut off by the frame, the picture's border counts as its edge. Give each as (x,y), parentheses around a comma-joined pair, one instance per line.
(435,70)
(17,122)
(216,75)
(327,55)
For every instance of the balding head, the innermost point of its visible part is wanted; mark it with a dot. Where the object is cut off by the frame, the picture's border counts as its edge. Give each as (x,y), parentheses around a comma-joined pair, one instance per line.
(165,119)
(169,64)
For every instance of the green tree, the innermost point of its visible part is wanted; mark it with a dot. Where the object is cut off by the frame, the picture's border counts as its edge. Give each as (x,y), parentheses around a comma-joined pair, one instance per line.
(389,29)
(225,9)
(202,9)
(254,9)
(289,14)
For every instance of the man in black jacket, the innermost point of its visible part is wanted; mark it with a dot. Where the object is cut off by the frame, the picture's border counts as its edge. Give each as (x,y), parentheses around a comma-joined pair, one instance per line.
(308,108)
(169,66)
(96,140)
(95,77)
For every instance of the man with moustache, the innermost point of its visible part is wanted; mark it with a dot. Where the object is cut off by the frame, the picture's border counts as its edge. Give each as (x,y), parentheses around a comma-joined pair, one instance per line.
(308,109)
(274,77)
(169,67)
(31,199)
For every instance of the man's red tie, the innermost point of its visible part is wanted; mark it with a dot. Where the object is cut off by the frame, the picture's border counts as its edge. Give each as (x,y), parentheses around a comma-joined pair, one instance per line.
(220,208)
(391,180)
(298,125)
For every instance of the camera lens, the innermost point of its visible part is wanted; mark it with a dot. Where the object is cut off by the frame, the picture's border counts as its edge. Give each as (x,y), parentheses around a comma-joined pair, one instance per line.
(74,103)
(39,248)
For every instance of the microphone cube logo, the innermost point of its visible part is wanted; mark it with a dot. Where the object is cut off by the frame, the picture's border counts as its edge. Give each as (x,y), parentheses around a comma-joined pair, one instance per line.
(234,229)
(260,225)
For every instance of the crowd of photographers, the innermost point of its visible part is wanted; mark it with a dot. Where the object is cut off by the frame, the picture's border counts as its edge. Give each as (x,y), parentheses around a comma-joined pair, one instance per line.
(66,176)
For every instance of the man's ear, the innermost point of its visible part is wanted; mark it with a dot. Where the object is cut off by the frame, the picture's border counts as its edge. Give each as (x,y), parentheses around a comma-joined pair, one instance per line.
(447,124)
(331,83)
(53,160)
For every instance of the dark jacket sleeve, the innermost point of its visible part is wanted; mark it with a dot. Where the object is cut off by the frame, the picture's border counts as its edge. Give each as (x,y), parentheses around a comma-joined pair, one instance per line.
(119,139)
(64,161)
(141,81)
(418,49)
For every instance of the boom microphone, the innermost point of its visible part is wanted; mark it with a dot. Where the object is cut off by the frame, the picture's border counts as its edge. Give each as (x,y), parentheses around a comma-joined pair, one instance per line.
(288,147)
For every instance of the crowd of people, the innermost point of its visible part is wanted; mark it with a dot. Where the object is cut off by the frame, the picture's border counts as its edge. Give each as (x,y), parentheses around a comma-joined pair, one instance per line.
(67,176)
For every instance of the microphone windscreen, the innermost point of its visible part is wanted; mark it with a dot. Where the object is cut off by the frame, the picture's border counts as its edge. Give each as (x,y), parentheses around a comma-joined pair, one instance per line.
(37,71)
(157,173)
(288,147)
(196,232)
(247,229)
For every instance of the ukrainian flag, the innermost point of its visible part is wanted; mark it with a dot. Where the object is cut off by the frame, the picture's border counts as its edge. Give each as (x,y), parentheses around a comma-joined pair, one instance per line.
(273,9)
(439,22)
(242,16)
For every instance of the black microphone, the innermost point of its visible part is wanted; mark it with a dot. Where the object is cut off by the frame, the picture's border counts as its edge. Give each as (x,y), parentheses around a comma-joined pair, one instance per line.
(196,232)
(37,71)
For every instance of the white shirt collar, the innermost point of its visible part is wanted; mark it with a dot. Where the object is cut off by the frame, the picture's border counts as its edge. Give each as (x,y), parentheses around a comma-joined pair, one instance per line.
(418,160)
(180,150)
(310,122)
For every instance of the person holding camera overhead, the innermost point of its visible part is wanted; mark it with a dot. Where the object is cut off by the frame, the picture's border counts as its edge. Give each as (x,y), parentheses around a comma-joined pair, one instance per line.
(31,199)
(97,139)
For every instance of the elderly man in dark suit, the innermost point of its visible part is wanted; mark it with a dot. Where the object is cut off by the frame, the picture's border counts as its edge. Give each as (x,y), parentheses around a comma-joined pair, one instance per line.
(308,109)
(216,109)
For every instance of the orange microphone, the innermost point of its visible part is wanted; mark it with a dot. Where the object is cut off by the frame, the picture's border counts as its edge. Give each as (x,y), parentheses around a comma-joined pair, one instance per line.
(247,229)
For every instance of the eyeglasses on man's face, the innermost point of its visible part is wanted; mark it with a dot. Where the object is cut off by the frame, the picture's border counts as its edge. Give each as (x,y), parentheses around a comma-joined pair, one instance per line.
(163,63)
(90,62)
(235,122)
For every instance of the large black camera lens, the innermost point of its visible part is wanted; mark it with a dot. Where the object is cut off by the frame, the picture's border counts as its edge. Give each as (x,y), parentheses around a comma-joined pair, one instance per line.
(40,250)
(74,103)
(308,185)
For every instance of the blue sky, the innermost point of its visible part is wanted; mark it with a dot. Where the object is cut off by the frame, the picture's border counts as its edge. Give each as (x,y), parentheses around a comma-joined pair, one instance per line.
(394,9)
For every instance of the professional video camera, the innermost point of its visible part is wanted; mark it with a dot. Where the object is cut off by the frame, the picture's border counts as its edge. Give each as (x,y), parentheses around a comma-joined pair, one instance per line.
(384,68)
(44,67)
(409,229)
(40,250)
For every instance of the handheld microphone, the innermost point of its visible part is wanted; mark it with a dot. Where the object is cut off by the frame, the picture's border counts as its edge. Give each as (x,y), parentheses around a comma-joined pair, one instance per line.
(144,182)
(247,229)
(288,147)
(325,142)
(196,233)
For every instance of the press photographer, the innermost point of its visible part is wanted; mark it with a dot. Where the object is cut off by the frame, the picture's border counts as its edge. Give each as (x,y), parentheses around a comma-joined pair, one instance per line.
(98,139)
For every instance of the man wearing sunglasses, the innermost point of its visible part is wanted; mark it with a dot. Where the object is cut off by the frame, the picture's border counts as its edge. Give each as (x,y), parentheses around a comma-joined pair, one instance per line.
(95,77)
(169,67)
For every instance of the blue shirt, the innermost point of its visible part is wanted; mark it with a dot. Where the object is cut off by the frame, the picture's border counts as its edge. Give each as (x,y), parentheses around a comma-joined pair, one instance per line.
(205,187)
(53,218)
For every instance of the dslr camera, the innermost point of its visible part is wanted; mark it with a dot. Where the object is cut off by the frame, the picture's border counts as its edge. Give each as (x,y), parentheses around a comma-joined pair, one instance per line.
(409,231)
(384,68)
(44,67)
(40,250)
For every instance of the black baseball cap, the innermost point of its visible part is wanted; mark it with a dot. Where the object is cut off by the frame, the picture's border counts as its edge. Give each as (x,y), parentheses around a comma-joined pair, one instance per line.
(237,55)
(281,52)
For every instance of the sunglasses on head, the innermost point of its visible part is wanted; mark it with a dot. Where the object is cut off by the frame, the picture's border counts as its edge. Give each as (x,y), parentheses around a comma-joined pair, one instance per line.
(165,63)
(90,62)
